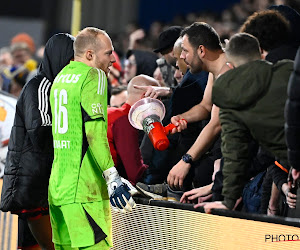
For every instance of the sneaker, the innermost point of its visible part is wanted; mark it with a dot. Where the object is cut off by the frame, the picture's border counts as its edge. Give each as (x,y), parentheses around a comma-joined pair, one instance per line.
(159,192)
(174,195)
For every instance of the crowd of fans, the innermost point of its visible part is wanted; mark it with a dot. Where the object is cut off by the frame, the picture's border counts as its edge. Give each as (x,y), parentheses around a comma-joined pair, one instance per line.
(223,80)
(225,23)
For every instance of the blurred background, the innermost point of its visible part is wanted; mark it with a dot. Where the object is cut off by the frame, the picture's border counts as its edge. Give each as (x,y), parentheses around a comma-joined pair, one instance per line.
(132,24)
(41,19)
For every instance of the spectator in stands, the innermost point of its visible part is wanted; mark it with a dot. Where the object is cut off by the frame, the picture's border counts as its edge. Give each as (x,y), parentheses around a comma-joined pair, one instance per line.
(159,161)
(266,87)
(272,31)
(288,49)
(166,41)
(24,38)
(181,67)
(122,137)
(201,51)
(279,39)
(23,52)
(167,64)
(5,57)
(292,128)
(191,90)
(118,96)
(6,63)
(157,75)
(22,60)
(20,53)
(139,62)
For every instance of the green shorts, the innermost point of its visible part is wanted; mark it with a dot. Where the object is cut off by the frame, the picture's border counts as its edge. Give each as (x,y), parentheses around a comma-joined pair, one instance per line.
(101,245)
(81,224)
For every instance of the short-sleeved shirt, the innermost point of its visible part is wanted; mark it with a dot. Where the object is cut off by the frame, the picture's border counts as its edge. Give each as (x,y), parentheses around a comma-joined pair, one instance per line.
(81,153)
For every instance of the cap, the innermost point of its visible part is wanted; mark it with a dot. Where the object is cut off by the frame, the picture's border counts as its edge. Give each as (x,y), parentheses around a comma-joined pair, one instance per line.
(24,38)
(167,38)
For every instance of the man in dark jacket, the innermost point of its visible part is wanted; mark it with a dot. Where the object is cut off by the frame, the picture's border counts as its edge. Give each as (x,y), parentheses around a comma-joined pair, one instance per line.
(276,30)
(292,128)
(251,110)
(30,149)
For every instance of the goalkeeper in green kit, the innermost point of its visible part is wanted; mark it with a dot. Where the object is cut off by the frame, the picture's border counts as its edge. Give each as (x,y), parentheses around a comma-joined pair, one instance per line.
(83,179)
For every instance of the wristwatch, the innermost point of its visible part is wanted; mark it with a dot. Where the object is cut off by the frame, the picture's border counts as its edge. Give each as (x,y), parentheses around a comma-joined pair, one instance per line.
(187,158)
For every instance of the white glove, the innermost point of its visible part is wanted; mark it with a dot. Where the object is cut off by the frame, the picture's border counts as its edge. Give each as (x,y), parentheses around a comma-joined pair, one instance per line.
(119,191)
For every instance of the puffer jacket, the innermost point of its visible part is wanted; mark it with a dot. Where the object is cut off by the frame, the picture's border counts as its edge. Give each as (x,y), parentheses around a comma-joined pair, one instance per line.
(292,116)
(251,99)
(30,148)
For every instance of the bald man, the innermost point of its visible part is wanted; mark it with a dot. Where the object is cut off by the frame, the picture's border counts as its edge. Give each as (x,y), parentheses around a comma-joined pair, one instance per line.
(118,96)
(122,137)
(83,179)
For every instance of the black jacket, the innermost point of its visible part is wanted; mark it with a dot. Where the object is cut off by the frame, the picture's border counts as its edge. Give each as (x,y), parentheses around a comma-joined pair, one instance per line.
(30,148)
(292,115)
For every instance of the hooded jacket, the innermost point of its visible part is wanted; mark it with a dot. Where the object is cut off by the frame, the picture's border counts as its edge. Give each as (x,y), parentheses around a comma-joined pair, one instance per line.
(251,99)
(30,148)
(145,62)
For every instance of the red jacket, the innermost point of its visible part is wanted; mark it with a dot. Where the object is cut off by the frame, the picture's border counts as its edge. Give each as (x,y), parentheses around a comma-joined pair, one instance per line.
(124,144)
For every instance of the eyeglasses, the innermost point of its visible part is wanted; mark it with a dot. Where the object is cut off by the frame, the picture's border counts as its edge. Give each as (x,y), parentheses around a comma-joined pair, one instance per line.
(129,63)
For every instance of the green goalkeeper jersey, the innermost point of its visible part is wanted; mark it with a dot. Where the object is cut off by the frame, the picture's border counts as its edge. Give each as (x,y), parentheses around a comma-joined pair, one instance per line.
(79,126)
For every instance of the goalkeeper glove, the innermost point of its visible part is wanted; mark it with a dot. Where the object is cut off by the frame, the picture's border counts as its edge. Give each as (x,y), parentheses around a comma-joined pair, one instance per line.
(119,191)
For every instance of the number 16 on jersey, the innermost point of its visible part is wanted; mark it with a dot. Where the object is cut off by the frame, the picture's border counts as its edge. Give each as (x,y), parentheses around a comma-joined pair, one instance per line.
(60,112)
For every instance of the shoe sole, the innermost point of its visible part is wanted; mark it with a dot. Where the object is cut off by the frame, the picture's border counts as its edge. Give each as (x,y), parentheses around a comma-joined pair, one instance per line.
(155,196)
(150,195)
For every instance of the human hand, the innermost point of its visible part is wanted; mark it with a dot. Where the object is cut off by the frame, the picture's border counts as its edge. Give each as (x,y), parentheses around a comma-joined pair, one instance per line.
(290,197)
(178,174)
(272,211)
(202,193)
(208,206)
(152,91)
(149,91)
(119,191)
(137,35)
(134,36)
(179,122)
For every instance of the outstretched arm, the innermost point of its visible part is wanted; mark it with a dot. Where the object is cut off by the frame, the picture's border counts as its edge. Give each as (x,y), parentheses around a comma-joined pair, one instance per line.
(204,141)
(154,92)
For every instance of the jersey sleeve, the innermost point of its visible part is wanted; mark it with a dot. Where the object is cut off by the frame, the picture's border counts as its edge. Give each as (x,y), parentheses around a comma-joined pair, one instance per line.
(94,105)
(94,94)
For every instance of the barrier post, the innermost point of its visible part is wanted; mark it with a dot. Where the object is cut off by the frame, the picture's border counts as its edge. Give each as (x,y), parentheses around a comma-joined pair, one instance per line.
(76,17)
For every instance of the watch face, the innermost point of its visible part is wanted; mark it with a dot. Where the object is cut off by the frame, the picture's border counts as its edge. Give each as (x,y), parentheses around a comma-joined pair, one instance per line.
(187,158)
